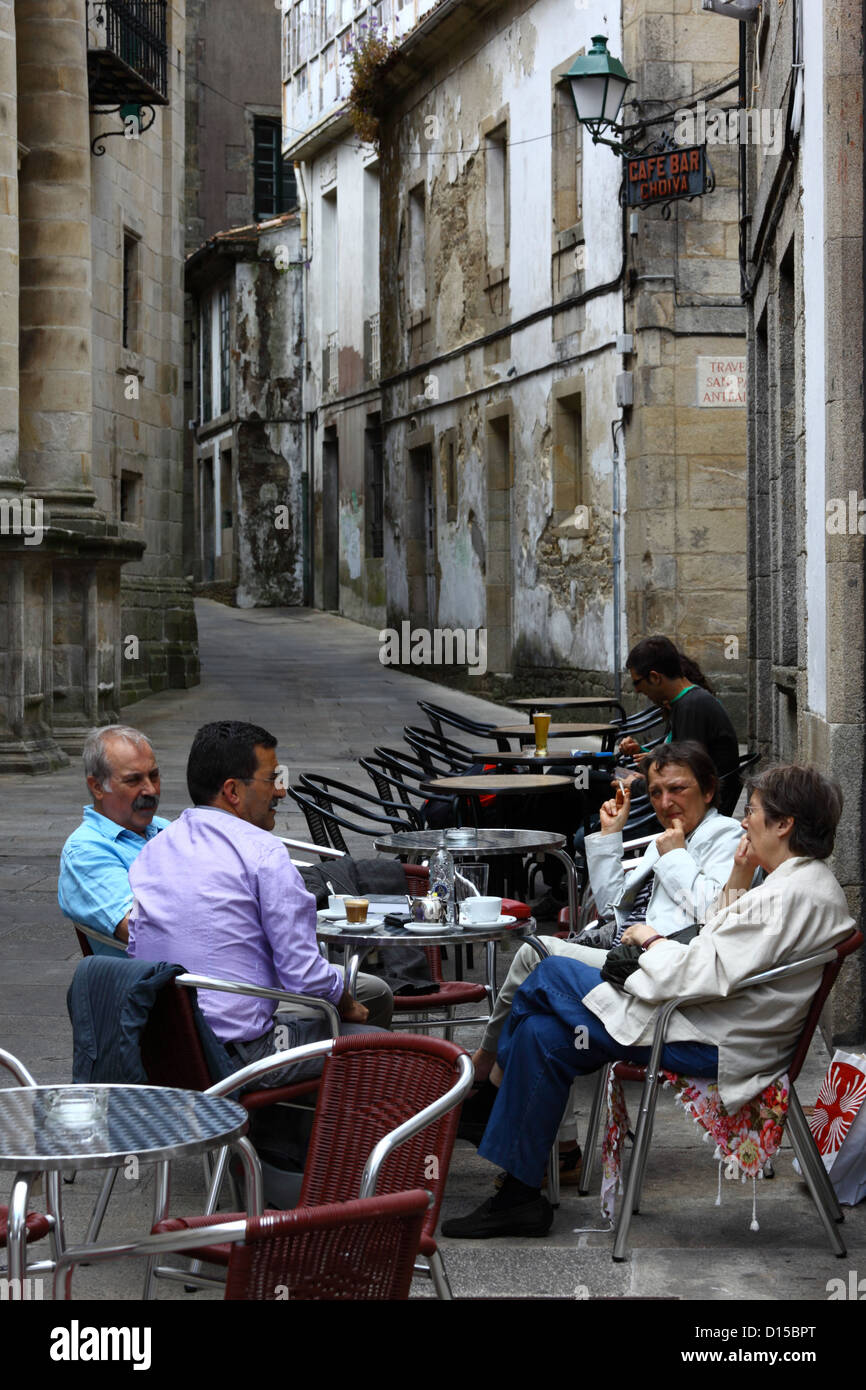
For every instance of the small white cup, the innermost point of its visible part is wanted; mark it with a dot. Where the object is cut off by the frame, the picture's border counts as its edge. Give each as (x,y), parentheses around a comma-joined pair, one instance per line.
(480,910)
(337,904)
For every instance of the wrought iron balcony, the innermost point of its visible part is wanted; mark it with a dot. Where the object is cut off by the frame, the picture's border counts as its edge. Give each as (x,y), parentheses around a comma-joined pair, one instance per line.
(127,54)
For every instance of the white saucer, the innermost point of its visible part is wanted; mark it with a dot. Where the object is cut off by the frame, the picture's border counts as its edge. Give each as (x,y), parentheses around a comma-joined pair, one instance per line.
(370,924)
(333,914)
(428,928)
(498,922)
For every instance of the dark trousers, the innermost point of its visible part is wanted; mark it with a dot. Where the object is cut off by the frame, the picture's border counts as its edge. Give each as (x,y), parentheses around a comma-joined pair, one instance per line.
(551,1038)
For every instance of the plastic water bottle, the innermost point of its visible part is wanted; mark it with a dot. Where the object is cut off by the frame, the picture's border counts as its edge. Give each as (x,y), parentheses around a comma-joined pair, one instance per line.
(441,868)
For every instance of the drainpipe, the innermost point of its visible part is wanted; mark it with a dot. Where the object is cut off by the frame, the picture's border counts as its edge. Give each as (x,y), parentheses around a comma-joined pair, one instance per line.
(306,445)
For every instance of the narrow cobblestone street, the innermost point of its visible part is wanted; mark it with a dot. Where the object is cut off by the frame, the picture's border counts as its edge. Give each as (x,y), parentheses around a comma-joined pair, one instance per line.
(315,680)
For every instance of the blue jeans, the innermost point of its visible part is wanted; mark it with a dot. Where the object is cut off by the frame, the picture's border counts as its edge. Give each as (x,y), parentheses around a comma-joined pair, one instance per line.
(540,1059)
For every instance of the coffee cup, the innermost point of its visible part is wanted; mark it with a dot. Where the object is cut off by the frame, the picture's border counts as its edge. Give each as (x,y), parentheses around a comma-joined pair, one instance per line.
(337,903)
(481,909)
(356,909)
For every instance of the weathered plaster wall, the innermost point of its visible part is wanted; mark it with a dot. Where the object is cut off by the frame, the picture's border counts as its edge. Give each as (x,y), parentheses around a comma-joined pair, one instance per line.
(560,581)
(686,472)
(267,407)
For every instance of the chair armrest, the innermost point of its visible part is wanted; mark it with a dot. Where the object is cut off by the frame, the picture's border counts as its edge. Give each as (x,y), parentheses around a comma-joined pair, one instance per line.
(18,1069)
(103,937)
(282,996)
(425,1117)
(172,1241)
(323,851)
(638,844)
(275,1062)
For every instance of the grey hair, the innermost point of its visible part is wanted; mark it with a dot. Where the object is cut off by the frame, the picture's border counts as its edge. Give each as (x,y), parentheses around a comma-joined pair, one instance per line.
(95,759)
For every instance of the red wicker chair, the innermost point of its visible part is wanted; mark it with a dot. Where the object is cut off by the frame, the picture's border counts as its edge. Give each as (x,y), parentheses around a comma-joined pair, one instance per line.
(372,1085)
(347,1251)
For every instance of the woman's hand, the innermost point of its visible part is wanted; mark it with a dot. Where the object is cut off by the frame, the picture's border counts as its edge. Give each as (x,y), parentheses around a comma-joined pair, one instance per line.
(744,858)
(673,838)
(637,934)
(630,747)
(614,813)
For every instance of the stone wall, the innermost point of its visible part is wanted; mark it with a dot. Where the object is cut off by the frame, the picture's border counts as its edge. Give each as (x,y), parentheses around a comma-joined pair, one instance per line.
(686,476)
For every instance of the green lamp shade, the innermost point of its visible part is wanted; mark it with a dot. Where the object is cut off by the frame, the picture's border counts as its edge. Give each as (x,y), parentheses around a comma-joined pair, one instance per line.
(598,84)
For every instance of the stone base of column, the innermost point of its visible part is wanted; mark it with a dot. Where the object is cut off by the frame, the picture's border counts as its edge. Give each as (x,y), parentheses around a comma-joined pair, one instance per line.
(160,637)
(36,756)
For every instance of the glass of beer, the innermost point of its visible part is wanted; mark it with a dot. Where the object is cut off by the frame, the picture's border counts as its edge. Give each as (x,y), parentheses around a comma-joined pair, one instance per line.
(542,725)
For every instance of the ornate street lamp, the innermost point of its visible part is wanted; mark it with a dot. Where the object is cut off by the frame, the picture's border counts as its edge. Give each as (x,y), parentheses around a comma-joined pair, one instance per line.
(598,86)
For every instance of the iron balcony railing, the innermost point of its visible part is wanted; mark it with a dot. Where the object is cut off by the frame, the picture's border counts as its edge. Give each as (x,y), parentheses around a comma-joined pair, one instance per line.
(127,55)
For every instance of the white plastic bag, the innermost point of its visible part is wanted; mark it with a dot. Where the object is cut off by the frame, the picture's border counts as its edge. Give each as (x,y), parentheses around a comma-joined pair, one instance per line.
(838,1125)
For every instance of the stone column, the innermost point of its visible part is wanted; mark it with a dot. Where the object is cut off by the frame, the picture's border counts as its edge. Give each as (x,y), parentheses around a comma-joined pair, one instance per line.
(56,393)
(10,476)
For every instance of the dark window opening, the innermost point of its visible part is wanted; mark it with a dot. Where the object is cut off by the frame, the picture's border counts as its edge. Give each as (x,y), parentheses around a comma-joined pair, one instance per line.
(130,270)
(274,187)
(225,359)
(375,488)
(130,498)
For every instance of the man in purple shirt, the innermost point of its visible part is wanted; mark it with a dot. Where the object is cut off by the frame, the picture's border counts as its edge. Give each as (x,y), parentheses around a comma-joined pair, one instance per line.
(217,893)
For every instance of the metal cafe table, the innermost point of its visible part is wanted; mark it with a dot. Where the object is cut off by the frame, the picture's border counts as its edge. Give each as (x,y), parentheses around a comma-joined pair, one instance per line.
(359,939)
(526,733)
(48,1128)
(568,702)
(482,843)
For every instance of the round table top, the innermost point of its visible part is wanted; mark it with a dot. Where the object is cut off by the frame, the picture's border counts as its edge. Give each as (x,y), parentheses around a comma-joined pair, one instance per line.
(604,760)
(39,1129)
(555,731)
(503,783)
(564,701)
(472,842)
(361,935)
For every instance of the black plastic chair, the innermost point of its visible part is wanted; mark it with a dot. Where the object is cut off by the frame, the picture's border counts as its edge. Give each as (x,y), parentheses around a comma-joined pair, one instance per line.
(325,823)
(438,715)
(429,745)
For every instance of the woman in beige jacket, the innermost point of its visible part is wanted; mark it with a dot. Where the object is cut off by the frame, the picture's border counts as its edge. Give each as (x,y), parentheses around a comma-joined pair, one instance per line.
(566,1022)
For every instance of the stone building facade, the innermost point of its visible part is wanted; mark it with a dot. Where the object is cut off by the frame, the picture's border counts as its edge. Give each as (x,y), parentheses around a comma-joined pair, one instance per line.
(246,287)
(804,285)
(235,177)
(503,421)
(95,608)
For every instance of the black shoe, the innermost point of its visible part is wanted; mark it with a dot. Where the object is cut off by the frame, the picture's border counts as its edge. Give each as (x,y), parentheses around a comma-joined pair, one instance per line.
(533,1218)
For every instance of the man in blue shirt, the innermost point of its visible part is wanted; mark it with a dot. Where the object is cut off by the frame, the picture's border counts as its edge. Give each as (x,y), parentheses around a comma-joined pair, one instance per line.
(123,780)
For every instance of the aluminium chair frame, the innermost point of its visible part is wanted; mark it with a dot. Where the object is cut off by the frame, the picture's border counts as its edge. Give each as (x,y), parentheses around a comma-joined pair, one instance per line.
(17,1214)
(225,1232)
(816,1176)
(434,1269)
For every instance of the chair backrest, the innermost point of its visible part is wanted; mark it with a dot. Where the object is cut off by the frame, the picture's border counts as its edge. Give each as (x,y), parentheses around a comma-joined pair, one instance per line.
(828,979)
(428,744)
(372,1083)
(388,782)
(357,1250)
(439,715)
(332,795)
(171,1049)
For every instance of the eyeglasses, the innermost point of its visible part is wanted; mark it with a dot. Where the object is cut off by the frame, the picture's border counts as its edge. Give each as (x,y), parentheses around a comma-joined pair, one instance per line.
(749,810)
(275,780)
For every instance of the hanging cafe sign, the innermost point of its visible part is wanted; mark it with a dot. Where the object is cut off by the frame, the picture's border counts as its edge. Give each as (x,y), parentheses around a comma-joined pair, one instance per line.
(664,172)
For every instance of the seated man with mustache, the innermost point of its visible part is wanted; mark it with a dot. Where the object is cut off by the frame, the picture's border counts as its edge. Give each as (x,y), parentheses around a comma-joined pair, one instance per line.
(123,780)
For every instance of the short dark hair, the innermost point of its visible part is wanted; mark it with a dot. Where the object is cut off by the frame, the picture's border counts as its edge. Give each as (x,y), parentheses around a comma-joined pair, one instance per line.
(222,750)
(655,654)
(688,754)
(813,800)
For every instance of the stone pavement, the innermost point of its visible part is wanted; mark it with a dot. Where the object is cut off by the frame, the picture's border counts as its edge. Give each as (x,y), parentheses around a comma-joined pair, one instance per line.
(315,680)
